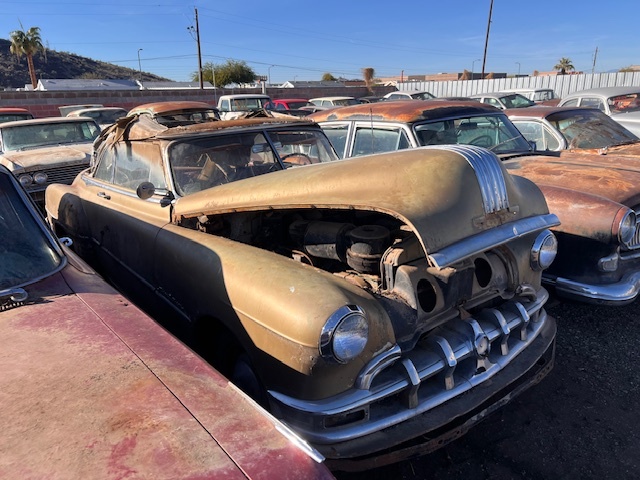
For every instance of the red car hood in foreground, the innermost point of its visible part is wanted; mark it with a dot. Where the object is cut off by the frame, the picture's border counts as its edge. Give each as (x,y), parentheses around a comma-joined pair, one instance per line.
(93,388)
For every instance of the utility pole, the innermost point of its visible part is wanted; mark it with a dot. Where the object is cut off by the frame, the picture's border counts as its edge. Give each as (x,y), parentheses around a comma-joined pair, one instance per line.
(199,53)
(595,55)
(486,41)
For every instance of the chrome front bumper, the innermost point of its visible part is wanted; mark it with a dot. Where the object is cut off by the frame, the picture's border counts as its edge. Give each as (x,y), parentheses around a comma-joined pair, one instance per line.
(396,392)
(619,293)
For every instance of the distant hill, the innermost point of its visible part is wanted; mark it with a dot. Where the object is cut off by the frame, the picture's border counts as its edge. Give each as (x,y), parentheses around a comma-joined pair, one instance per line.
(14,73)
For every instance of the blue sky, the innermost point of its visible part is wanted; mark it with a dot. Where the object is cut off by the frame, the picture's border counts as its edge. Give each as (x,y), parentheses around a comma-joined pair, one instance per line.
(302,39)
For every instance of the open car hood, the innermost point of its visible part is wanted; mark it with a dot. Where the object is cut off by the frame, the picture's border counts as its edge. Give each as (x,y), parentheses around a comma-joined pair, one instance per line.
(436,191)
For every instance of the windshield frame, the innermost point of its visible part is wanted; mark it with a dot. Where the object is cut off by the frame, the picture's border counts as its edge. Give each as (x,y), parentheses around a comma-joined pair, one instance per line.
(9,134)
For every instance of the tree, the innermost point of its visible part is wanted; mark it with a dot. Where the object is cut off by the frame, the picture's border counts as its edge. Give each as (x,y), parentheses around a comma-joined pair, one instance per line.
(221,75)
(368,73)
(27,43)
(327,77)
(564,65)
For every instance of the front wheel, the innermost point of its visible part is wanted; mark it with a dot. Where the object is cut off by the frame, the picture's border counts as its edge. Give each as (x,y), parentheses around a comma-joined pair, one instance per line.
(245,378)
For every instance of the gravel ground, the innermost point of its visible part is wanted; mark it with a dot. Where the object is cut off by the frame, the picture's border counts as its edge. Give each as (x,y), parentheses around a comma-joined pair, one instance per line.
(580,422)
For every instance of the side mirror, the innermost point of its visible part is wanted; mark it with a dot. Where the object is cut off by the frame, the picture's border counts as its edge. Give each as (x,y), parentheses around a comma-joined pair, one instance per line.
(145,190)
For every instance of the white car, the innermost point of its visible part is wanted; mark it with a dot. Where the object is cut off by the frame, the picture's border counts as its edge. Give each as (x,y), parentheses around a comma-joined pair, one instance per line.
(620,103)
(409,95)
(332,102)
(235,106)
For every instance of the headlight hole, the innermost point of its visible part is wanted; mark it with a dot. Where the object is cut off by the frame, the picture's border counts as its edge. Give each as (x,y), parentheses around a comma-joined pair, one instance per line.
(427,295)
(483,271)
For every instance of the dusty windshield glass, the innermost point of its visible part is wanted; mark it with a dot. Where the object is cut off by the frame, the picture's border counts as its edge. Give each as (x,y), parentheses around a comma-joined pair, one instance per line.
(494,132)
(25,250)
(203,163)
(590,129)
(44,134)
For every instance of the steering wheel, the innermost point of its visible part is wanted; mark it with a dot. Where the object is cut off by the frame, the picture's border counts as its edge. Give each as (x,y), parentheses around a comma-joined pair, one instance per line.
(482,141)
(304,159)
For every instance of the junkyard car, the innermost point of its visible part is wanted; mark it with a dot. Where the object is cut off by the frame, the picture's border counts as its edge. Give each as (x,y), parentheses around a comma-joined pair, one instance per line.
(103,116)
(333,102)
(620,103)
(93,388)
(540,96)
(175,113)
(291,106)
(366,302)
(575,128)
(43,151)
(503,100)
(595,196)
(12,114)
(237,105)
(408,95)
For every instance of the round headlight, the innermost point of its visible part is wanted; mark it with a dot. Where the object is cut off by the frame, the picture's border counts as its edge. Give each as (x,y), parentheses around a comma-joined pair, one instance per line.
(345,334)
(627,228)
(25,180)
(40,178)
(544,250)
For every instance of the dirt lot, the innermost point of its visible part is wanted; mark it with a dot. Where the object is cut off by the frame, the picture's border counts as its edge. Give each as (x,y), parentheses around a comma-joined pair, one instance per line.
(581,422)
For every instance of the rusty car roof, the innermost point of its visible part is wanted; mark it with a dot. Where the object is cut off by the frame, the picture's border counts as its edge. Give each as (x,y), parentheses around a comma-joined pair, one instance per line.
(160,108)
(406,111)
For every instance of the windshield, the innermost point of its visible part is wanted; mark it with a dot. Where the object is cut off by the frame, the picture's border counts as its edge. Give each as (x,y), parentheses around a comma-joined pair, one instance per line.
(422,96)
(248,104)
(625,103)
(590,129)
(35,135)
(26,252)
(12,117)
(343,102)
(516,101)
(495,132)
(198,164)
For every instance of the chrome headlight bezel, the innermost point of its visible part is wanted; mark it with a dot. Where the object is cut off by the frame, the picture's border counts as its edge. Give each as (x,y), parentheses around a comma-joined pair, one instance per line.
(543,250)
(40,178)
(344,335)
(25,180)
(627,228)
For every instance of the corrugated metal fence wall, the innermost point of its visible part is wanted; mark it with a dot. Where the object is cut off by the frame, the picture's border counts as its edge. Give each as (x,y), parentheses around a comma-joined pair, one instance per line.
(561,84)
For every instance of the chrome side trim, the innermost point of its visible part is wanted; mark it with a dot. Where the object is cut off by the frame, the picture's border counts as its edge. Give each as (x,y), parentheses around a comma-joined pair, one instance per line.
(492,238)
(490,178)
(444,365)
(619,293)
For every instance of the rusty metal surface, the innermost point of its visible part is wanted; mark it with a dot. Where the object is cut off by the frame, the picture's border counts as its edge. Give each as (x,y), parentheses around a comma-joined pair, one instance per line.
(93,388)
(616,178)
(407,111)
(58,155)
(160,108)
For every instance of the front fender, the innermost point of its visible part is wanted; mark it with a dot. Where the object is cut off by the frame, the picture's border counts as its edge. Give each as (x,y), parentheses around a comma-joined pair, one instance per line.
(278,304)
(583,214)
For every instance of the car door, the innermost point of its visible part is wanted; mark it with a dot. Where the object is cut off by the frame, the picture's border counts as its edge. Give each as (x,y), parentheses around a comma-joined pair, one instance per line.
(123,226)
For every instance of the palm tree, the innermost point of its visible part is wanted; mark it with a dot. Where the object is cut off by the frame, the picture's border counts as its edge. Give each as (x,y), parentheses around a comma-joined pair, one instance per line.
(368,73)
(564,65)
(27,43)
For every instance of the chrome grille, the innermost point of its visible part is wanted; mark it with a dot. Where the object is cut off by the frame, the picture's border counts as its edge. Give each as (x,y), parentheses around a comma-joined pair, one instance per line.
(490,178)
(635,242)
(56,174)
(446,363)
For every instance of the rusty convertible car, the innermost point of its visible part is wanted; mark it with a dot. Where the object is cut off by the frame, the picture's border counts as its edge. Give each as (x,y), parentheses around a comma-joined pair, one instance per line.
(93,388)
(43,151)
(380,307)
(596,197)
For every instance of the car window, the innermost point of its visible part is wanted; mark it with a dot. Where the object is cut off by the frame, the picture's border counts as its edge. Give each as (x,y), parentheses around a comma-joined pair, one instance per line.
(493,102)
(593,102)
(134,163)
(27,254)
(337,135)
(369,140)
(571,103)
(538,133)
(495,132)
(625,103)
(422,96)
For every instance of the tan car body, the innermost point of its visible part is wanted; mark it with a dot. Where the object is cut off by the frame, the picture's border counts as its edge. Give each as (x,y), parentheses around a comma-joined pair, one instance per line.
(263,258)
